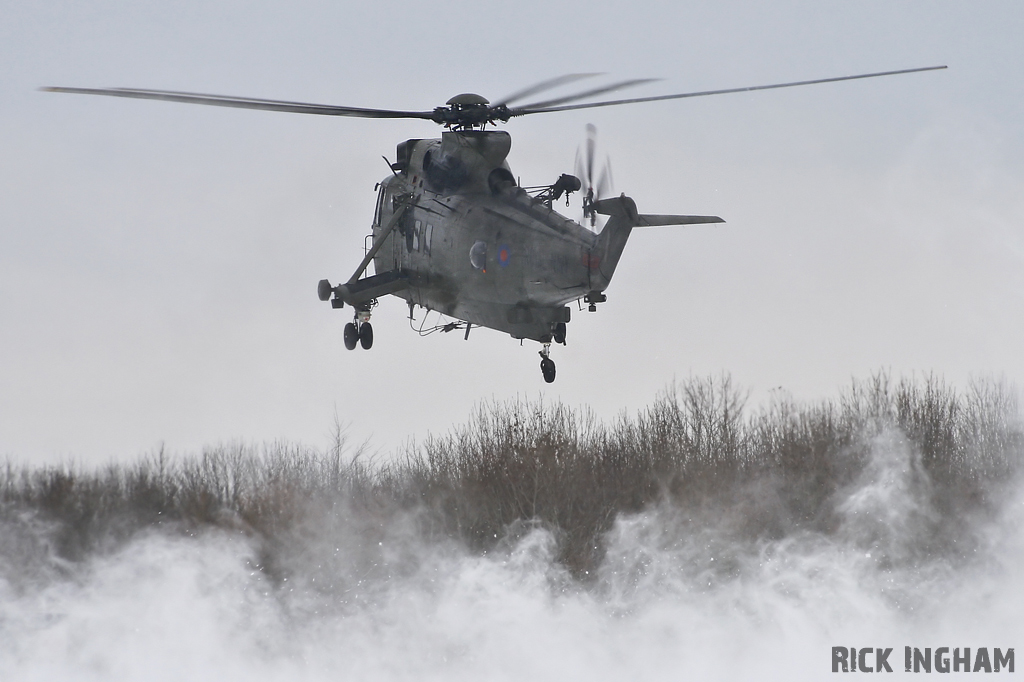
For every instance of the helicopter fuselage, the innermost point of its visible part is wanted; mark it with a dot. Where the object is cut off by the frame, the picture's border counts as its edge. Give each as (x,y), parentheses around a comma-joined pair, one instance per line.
(473,245)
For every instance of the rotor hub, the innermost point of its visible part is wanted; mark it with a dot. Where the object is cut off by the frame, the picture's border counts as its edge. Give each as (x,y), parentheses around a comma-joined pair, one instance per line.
(467,99)
(469,110)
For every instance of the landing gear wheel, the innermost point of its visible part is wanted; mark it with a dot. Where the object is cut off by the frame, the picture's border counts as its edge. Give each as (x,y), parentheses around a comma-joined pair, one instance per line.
(547,368)
(351,336)
(365,335)
(559,333)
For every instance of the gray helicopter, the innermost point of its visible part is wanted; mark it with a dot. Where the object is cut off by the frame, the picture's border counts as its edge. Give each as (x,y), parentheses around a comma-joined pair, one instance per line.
(454,232)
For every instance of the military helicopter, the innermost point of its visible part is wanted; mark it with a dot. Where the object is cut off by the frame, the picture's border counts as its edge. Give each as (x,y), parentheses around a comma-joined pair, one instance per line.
(453,230)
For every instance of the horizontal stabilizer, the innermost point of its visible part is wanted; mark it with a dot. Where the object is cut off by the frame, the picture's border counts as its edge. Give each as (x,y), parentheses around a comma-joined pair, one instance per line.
(625,209)
(644,220)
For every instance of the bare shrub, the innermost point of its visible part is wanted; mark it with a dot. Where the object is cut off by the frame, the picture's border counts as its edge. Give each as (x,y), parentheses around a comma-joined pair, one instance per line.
(515,465)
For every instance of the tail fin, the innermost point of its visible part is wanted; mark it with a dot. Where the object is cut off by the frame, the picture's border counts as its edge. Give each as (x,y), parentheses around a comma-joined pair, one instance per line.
(604,256)
(623,217)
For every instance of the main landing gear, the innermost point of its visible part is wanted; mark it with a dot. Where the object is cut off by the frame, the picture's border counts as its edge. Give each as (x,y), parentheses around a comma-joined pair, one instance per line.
(359,331)
(547,365)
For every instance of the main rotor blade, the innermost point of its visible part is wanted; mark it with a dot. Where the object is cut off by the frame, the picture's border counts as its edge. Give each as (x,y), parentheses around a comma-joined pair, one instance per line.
(544,85)
(245,102)
(544,107)
(589,93)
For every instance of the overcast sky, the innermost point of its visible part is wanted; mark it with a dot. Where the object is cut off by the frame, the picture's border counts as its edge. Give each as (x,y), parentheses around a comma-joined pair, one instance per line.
(158,262)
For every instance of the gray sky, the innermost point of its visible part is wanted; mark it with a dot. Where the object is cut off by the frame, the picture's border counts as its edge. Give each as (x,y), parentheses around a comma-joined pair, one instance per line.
(158,262)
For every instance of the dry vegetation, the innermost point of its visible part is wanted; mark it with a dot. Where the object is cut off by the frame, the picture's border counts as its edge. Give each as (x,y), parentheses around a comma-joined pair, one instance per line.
(518,464)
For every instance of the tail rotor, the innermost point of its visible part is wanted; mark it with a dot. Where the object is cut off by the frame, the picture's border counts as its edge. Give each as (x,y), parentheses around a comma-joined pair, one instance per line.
(596,185)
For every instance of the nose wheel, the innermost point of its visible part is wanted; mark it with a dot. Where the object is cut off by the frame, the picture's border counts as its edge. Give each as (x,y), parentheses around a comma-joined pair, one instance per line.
(547,365)
(359,331)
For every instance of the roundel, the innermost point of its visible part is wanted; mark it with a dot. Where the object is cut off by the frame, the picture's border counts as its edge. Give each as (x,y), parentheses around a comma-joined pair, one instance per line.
(503,255)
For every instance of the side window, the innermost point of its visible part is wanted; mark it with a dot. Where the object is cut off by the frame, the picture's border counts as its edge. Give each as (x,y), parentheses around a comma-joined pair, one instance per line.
(427,237)
(416,237)
(478,255)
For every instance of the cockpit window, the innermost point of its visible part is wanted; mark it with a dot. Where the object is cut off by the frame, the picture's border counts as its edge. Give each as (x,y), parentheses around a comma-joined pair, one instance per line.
(380,206)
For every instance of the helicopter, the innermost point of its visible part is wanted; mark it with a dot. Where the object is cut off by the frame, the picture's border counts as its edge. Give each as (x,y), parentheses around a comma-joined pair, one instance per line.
(454,231)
